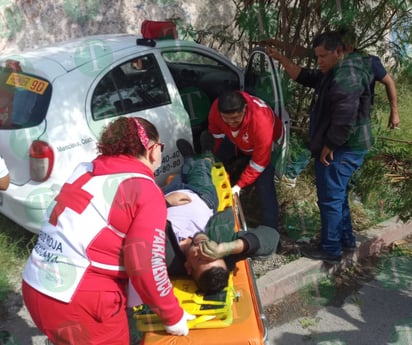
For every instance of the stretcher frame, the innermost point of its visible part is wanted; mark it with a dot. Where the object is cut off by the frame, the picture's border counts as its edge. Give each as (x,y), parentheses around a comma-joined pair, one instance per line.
(248,324)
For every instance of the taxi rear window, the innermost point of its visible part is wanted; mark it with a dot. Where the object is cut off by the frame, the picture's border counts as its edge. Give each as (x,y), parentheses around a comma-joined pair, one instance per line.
(24,99)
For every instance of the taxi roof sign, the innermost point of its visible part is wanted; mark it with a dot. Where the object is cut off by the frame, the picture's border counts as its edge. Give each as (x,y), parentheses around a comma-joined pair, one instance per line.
(152,29)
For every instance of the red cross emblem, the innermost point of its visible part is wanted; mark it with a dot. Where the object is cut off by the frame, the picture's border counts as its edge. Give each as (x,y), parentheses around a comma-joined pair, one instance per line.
(72,196)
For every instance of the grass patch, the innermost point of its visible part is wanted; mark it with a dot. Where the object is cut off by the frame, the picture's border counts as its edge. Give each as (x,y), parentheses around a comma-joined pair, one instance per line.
(5,287)
(306,322)
(385,180)
(15,247)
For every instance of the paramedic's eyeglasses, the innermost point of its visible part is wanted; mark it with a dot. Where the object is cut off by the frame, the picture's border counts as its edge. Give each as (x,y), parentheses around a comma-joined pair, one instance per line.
(162,146)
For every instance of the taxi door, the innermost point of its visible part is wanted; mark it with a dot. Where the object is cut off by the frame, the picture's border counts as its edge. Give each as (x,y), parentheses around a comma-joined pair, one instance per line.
(262,80)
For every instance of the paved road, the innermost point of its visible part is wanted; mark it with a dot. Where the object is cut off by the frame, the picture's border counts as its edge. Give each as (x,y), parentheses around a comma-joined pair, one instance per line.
(375,312)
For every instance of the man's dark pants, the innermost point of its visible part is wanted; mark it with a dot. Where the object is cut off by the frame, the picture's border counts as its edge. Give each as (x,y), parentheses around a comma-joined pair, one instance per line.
(235,162)
(332,190)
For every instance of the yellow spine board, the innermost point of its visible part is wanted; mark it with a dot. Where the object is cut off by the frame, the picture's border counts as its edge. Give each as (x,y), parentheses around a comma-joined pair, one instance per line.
(222,183)
(211,311)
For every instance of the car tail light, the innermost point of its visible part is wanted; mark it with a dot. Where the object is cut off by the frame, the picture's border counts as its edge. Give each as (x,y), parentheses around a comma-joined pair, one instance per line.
(41,160)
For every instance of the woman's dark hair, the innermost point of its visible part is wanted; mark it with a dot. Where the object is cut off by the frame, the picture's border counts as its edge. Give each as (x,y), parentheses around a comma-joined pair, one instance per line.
(213,280)
(231,102)
(124,136)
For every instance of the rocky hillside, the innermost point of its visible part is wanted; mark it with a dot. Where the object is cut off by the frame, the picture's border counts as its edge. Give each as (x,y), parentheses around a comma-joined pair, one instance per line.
(26,24)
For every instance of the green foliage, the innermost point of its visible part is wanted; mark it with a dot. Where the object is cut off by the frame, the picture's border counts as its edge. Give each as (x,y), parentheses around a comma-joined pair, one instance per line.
(298,146)
(15,245)
(307,322)
(401,250)
(258,21)
(383,27)
(372,188)
(344,15)
(385,182)
(405,79)
(292,257)
(301,220)
(319,292)
(4,286)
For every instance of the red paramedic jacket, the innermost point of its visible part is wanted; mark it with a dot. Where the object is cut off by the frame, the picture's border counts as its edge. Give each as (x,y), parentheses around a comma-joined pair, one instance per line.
(109,222)
(139,211)
(259,130)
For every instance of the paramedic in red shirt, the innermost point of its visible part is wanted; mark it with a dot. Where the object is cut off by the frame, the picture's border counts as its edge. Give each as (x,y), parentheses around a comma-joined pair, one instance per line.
(105,226)
(244,129)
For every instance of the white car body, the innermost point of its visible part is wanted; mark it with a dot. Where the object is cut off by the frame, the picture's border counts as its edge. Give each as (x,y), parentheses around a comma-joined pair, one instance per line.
(174,91)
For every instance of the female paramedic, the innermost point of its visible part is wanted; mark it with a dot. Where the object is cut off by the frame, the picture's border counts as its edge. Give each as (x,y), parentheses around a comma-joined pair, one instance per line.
(106,225)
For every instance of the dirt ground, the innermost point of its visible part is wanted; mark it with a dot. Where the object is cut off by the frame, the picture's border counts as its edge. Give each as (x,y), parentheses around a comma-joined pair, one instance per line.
(15,319)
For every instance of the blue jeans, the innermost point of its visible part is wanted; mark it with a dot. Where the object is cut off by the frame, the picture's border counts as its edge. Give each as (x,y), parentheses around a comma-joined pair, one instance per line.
(235,162)
(331,183)
(196,176)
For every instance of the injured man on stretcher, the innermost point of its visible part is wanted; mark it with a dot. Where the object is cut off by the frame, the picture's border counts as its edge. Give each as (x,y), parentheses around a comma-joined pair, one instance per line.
(201,242)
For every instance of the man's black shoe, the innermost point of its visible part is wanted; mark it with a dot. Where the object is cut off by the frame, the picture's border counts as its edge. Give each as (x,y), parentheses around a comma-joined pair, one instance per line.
(185,148)
(206,142)
(316,254)
(349,248)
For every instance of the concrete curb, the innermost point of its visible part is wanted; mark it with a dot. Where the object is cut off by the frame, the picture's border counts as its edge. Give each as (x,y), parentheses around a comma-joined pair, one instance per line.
(290,278)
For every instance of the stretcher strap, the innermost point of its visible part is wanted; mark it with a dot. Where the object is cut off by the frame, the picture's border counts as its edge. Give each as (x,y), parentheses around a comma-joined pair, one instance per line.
(211,311)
